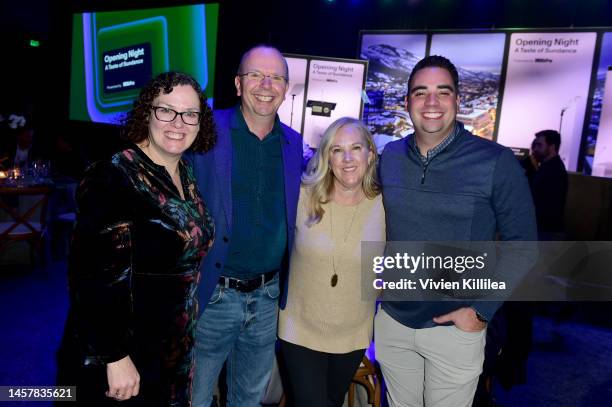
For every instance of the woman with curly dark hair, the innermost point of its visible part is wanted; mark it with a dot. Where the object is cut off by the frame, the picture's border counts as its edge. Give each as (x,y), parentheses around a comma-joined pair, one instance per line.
(141,233)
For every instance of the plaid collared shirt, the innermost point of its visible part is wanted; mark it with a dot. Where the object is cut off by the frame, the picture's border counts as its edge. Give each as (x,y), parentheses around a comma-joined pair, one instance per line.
(436,150)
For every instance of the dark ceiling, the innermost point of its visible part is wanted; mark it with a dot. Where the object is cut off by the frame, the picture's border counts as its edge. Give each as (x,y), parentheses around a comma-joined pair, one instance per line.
(40,76)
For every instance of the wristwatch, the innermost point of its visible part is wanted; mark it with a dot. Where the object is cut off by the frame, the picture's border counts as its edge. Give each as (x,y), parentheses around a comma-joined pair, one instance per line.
(479,316)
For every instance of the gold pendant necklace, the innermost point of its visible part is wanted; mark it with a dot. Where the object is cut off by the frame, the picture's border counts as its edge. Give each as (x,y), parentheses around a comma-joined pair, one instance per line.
(334,277)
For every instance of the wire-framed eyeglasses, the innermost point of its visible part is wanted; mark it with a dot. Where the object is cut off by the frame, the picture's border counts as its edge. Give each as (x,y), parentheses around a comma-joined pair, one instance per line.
(259,77)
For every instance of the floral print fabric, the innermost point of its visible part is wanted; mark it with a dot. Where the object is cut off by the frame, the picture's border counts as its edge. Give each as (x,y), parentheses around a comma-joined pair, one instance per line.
(134,271)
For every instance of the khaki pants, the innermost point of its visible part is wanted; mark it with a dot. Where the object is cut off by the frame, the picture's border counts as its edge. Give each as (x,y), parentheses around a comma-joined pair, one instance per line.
(432,367)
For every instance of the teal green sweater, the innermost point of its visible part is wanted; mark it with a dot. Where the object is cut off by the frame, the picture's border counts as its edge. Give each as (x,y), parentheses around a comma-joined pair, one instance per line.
(259,232)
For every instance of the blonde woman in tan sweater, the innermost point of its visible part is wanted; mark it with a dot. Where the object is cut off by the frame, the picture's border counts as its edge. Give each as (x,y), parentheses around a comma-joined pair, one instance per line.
(327,325)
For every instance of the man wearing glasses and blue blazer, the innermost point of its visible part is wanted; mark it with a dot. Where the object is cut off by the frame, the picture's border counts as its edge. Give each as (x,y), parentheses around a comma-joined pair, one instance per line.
(250,181)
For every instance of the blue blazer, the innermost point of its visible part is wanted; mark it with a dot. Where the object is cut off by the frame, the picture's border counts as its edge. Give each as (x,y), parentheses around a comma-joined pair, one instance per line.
(213,171)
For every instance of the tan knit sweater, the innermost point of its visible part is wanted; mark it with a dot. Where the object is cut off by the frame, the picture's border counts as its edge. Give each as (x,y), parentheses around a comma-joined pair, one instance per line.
(319,316)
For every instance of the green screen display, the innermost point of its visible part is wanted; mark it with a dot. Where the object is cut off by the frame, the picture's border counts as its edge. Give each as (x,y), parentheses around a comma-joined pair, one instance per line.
(115,53)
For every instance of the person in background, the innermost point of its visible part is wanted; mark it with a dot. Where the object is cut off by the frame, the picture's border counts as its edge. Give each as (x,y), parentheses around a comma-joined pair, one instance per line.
(327,325)
(251,181)
(20,148)
(24,148)
(142,230)
(510,342)
(9,126)
(549,185)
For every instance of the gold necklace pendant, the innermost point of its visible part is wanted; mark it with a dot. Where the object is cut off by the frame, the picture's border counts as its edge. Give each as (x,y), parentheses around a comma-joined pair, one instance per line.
(334,277)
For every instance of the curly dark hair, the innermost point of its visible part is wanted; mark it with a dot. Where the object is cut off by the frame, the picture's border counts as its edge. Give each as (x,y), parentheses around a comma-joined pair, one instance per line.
(136,122)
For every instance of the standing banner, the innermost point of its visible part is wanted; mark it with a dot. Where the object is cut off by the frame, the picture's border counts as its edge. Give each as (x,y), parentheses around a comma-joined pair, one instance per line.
(602,161)
(547,86)
(329,88)
(479,59)
(598,145)
(334,90)
(292,109)
(391,58)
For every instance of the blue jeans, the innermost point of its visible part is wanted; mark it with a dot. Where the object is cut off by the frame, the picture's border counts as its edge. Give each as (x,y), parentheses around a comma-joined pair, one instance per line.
(240,328)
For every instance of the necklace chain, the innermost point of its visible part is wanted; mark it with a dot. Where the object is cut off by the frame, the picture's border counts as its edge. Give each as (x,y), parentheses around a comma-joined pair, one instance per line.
(347,232)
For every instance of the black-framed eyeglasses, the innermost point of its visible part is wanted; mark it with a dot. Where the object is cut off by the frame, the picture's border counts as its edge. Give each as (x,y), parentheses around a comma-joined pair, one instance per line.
(259,77)
(165,114)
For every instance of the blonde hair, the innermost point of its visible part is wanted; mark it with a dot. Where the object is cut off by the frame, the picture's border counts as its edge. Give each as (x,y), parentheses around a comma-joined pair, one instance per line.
(318,179)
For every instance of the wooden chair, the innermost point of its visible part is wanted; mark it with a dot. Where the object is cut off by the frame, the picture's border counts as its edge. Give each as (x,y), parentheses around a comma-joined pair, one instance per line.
(369,377)
(27,220)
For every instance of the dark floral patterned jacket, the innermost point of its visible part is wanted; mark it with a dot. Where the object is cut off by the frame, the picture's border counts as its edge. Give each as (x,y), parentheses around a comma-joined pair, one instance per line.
(133,273)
